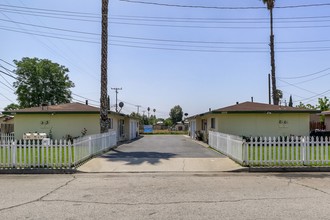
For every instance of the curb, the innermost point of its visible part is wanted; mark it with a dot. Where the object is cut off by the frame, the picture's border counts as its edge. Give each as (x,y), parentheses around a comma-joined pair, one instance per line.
(38,171)
(287,169)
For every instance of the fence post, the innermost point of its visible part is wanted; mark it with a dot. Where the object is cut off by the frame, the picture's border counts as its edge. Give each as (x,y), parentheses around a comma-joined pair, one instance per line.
(245,153)
(90,145)
(13,154)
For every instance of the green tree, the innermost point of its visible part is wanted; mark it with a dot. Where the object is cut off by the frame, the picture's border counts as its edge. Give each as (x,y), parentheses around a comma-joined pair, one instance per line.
(11,107)
(168,122)
(324,104)
(270,6)
(40,81)
(176,114)
(307,106)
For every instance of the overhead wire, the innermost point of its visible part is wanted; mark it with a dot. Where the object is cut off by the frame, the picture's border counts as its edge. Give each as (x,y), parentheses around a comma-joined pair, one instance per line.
(307,75)
(225,7)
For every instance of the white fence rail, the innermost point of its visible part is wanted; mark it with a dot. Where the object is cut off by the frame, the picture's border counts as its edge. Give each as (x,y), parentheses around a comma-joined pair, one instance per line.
(89,146)
(53,154)
(279,151)
(288,151)
(230,145)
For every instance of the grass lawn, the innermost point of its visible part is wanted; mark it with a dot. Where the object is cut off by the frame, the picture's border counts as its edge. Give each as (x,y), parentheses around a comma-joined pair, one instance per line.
(165,132)
(51,157)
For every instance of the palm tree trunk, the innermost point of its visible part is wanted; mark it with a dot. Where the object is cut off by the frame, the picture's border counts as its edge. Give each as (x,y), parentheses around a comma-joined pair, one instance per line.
(272,57)
(104,69)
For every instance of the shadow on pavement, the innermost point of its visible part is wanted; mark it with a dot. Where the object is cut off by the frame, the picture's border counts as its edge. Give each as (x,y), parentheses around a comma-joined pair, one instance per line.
(139,157)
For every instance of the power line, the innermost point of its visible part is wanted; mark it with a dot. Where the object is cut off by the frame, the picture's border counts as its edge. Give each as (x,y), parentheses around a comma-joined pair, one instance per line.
(217,42)
(7,63)
(221,51)
(8,74)
(297,86)
(219,27)
(50,10)
(85,98)
(216,19)
(312,97)
(51,36)
(224,7)
(46,15)
(6,97)
(6,85)
(303,76)
(52,28)
(320,49)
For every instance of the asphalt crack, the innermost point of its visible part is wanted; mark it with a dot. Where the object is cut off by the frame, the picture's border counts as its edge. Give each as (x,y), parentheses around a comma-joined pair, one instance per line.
(175,202)
(310,187)
(40,198)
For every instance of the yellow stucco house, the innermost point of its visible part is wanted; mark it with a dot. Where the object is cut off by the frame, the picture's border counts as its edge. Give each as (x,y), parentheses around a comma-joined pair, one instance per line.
(71,119)
(251,119)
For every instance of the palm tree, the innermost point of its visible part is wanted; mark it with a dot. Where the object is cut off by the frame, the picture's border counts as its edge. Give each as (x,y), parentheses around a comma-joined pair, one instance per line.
(104,69)
(270,6)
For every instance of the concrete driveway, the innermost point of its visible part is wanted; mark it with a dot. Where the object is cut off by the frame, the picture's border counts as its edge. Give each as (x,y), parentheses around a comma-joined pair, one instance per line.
(157,153)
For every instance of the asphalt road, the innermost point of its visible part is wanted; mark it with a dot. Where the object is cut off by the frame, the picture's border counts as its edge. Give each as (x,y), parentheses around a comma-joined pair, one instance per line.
(160,153)
(163,146)
(166,196)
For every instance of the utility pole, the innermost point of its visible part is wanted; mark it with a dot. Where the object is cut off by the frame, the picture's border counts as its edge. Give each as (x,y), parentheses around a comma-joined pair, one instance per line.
(104,69)
(116,96)
(138,108)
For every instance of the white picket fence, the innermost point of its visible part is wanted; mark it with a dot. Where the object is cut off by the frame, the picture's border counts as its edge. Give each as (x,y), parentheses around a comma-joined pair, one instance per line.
(230,145)
(276,151)
(53,154)
(89,146)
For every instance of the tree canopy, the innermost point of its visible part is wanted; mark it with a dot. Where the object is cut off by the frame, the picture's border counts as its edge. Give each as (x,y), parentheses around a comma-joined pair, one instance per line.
(176,114)
(40,81)
(11,107)
(324,104)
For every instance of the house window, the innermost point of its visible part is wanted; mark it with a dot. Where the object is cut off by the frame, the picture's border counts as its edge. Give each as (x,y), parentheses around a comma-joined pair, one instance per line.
(204,124)
(213,123)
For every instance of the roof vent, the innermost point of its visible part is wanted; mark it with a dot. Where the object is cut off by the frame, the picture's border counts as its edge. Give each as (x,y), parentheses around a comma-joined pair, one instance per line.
(237,103)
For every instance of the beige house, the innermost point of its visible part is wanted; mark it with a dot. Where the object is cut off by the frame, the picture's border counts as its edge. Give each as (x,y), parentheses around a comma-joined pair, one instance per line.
(70,120)
(252,119)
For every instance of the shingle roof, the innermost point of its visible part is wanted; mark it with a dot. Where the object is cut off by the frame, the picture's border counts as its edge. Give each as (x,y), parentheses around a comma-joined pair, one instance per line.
(255,107)
(325,113)
(74,107)
(67,107)
(261,107)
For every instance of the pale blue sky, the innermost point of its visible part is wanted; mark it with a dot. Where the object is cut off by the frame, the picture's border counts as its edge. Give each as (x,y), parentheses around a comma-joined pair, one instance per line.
(199,58)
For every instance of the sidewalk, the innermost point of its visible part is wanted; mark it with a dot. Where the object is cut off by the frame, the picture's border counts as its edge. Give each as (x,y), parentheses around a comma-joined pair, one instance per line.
(102,164)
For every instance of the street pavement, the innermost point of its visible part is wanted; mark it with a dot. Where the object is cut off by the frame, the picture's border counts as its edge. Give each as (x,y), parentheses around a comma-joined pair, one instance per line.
(150,181)
(161,153)
(170,195)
